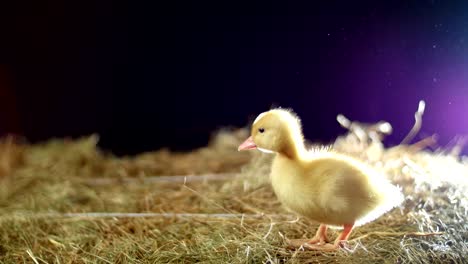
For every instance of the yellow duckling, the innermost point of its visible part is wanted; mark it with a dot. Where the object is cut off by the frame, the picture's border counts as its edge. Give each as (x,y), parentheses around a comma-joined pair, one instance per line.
(331,188)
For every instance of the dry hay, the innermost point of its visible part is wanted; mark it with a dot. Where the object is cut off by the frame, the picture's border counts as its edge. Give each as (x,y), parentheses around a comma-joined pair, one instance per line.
(233,220)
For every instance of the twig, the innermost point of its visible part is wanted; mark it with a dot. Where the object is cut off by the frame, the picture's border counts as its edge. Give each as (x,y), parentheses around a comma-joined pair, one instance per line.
(32,256)
(425,142)
(246,207)
(459,144)
(417,123)
(269,230)
(404,234)
(213,202)
(161,179)
(98,257)
(158,215)
(422,234)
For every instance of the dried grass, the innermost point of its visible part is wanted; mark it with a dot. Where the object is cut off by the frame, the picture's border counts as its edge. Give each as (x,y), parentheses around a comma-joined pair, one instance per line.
(46,189)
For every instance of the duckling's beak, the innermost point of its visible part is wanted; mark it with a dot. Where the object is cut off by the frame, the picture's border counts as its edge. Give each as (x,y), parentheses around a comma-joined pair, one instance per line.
(248,144)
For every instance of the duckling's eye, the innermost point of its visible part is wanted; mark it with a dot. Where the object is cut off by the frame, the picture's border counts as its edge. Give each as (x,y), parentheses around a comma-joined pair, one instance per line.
(261,130)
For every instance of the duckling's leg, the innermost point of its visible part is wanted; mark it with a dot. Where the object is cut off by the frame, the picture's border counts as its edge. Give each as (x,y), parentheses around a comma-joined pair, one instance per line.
(343,237)
(339,242)
(321,236)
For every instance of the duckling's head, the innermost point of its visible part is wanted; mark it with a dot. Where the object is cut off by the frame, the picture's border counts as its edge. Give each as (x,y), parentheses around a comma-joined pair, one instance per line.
(278,130)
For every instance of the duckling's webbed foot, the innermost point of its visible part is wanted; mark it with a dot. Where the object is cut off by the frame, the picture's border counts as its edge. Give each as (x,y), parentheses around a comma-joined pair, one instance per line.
(302,244)
(340,241)
(320,237)
(320,241)
(294,244)
(327,246)
(322,247)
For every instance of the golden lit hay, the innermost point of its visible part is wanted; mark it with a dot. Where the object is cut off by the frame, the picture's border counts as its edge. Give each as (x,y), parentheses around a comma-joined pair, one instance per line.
(11,155)
(145,219)
(219,156)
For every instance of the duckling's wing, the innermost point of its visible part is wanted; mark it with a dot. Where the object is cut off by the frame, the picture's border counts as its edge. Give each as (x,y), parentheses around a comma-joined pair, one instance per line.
(370,192)
(390,196)
(350,190)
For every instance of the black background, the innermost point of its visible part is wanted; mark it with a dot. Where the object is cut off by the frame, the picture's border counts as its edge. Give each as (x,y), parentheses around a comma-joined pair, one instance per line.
(146,76)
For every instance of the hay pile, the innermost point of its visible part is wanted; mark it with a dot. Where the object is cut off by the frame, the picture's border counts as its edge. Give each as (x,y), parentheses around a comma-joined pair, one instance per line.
(230,220)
